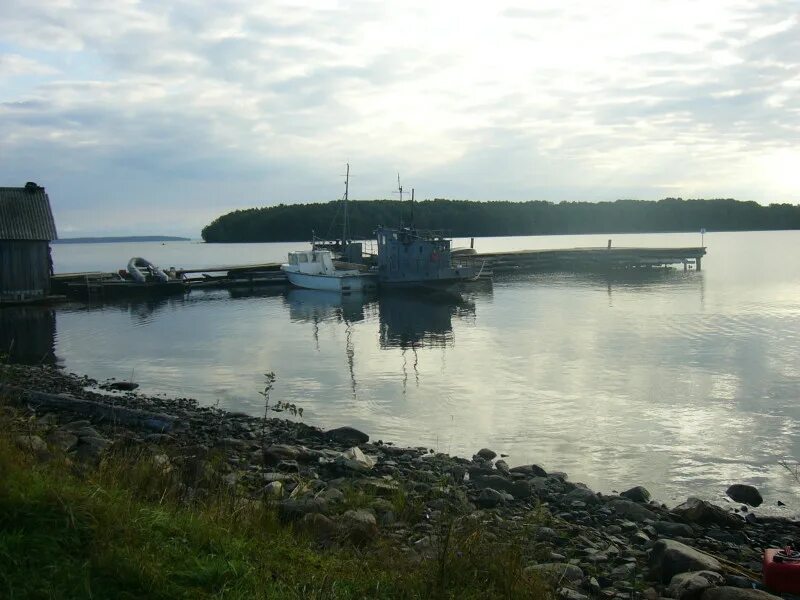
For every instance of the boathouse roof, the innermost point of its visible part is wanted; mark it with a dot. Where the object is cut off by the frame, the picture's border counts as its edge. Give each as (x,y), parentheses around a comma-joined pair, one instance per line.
(25,214)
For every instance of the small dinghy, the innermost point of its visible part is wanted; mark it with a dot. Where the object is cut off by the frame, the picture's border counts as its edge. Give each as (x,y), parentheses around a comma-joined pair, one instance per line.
(139,268)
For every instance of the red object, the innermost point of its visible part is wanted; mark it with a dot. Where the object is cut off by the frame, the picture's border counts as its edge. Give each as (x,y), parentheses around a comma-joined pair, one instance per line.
(782,576)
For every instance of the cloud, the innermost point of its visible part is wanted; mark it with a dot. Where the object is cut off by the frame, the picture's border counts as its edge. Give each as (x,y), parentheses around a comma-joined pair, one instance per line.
(200,107)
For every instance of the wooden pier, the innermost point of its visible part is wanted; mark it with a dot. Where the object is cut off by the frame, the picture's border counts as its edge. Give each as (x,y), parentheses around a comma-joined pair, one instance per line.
(592,259)
(98,285)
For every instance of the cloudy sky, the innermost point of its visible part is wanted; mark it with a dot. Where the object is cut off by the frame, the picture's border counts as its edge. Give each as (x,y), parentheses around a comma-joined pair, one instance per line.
(156,117)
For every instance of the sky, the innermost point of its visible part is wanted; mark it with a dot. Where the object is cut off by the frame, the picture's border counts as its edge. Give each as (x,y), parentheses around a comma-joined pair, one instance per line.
(157,117)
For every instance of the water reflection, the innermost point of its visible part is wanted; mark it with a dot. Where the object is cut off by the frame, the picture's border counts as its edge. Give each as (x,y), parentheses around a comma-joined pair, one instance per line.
(315,306)
(413,319)
(27,334)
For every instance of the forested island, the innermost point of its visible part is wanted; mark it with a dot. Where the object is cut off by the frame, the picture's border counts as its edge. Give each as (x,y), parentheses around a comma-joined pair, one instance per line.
(462,218)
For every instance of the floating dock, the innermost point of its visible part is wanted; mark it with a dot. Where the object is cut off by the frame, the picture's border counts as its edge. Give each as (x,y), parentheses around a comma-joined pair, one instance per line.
(99,285)
(592,259)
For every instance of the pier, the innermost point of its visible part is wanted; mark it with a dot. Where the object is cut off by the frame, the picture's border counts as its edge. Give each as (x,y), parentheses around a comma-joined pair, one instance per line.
(99,285)
(592,259)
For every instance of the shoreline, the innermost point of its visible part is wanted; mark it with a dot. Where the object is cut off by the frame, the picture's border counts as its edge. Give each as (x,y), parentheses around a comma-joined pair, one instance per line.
(602,545)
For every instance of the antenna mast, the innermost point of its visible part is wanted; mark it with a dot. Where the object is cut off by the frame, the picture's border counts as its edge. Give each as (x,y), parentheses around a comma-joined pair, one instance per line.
(346,191)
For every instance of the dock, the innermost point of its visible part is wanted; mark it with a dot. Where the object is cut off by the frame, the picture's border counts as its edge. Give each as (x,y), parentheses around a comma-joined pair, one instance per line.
(99,285)
(593,259)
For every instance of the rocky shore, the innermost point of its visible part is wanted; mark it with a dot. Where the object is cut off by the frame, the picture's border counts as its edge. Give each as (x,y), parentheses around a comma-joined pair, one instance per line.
(344,488)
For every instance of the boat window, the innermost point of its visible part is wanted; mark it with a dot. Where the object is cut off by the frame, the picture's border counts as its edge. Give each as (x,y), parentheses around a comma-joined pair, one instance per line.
(314,257)
(303,258)
(293,259)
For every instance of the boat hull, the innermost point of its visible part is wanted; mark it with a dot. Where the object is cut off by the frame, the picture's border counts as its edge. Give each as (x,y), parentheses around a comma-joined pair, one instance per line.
(332,283)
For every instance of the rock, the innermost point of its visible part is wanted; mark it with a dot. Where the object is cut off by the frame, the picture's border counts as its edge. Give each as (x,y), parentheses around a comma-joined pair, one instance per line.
(570,594)
(320,527)
(347,435)
(486,454)
(690,586)
(733,593)
(668,558)
(355,459)
(530,470)
(31,443)
(276,453)
(76,425)
(358,527)
(741,492)
(518,489)
(632,510)
(502,466)
(695,510)
(582,494)
(489,498)
(294,509)
(124,386)
(637,494)
(86,432)
(556,572)
(671,529)
(274,489)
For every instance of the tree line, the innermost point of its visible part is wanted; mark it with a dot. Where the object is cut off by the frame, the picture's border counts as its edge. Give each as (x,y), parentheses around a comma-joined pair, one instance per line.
(462,218)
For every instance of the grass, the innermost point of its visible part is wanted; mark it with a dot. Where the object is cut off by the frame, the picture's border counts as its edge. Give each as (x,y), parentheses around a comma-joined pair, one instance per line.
(121,530)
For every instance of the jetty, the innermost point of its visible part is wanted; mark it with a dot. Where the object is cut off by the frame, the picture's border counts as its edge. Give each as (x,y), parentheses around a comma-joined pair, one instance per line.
(593,259)
(98,285)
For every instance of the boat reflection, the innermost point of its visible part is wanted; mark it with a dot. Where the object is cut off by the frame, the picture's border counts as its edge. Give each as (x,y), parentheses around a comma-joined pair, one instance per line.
(315,306)
(27,334)
(410,319)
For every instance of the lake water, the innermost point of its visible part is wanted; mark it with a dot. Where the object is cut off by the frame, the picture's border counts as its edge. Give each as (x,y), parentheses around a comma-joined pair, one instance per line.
(683,382)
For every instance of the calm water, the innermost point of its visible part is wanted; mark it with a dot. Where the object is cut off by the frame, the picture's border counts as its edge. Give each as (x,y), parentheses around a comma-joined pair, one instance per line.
(683,382)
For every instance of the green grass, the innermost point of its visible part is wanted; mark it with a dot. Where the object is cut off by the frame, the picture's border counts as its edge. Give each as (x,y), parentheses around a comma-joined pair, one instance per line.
(120,531)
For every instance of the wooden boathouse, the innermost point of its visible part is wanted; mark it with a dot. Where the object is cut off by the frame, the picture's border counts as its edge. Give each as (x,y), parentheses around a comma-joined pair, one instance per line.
(26,230)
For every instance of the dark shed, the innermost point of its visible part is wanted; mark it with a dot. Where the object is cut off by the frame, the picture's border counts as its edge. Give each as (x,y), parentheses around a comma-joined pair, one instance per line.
(26,230)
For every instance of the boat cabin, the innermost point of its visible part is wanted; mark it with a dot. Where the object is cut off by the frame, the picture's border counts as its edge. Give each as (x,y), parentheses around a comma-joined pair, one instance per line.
(410,256)
(312,262)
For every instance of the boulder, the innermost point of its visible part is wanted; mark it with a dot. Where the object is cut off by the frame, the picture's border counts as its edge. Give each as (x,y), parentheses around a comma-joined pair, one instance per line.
(670,529)
(582,494)
(634,511)
(31,443)
(63,440)
(359,527)
(320,527)
(691,585)
(355,460)
(695,510)
(669,558)
(734,593)
(486,454)
(530,470)
(502,466)
(489,498)
(556,572)
(276,453)
(518,489)
(741,492)
(347,435)
(294,509)
(637,494)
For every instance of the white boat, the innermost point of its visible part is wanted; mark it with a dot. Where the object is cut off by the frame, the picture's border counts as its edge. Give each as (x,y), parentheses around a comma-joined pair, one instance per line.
(314,270)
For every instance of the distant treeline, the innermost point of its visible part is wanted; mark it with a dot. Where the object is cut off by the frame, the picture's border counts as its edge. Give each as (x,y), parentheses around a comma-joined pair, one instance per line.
(461,218)
(120,238)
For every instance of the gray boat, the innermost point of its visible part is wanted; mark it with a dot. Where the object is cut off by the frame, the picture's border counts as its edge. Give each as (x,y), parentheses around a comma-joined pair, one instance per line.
(409,257)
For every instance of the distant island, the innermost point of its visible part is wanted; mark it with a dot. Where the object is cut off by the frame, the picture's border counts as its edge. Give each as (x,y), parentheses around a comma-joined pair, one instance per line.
(124,238)
(462,218)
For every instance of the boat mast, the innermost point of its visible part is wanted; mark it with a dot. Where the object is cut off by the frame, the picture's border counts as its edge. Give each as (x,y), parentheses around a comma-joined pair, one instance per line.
(346,190)
(412,207)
